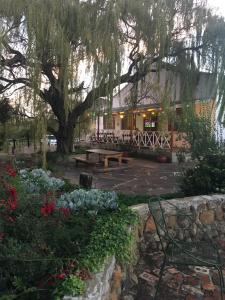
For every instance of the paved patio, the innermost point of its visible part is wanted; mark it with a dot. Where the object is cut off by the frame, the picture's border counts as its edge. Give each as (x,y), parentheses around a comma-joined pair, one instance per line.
(136,177)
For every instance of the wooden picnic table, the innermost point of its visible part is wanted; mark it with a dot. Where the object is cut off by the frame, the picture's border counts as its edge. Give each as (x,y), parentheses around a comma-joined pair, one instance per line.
(106,155)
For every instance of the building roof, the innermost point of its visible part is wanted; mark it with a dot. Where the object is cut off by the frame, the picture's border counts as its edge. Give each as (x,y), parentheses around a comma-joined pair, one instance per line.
(167,84)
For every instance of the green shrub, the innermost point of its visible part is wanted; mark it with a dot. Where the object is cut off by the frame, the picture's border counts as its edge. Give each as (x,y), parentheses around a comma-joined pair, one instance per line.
(129,200)
(110,237)
(68,186)
(70,286)
(93,201)
(207,177)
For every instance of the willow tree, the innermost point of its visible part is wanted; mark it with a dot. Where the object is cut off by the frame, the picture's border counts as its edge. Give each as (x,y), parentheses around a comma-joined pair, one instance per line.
(66,54)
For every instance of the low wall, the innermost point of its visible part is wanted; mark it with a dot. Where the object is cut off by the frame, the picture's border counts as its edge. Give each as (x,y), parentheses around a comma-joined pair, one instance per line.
(206,214)
(98,288)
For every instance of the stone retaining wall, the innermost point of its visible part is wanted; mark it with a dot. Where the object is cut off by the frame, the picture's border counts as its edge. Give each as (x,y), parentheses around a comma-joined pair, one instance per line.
(204,214)
(207,215)
(98,288)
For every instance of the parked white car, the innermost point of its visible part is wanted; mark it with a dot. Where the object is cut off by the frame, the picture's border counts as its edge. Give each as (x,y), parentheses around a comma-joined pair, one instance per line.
(52,140)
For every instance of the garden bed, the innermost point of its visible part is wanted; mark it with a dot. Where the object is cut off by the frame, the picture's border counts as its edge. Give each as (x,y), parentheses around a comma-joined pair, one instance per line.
(51,242)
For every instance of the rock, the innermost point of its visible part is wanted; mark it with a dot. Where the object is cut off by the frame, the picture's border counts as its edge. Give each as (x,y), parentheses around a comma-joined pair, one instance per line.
(134,278)
(210,287)
(150,225)
(172,221)
(219,214)
(172,271)
(207,217)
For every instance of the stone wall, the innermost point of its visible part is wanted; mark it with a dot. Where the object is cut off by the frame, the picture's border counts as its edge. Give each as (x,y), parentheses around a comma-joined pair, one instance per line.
(206,219)
(98,288)
(201,217)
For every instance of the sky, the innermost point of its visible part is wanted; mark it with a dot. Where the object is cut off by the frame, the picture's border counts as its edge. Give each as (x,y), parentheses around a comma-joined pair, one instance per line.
(219,5)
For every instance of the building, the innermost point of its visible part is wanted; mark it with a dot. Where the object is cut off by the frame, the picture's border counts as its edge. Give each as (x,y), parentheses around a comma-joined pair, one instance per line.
(141,114)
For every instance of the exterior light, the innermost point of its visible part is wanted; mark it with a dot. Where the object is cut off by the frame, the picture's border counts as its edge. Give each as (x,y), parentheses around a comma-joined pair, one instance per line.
(153,113)
(105,113)
(122,112)
(144,115)
(121,116)
(151,109)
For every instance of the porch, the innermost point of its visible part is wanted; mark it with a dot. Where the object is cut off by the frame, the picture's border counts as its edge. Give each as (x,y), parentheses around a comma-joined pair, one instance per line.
(168,140)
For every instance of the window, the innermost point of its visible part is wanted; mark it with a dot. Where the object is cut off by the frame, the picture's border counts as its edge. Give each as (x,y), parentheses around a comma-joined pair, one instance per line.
(127,122)
(109,122)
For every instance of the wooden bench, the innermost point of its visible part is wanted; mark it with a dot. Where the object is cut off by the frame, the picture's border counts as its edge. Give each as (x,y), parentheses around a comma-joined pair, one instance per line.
(123,159)
(82,159)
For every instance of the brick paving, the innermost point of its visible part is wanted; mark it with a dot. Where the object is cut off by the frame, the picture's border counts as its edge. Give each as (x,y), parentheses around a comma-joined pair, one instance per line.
(137,177)
(177,283)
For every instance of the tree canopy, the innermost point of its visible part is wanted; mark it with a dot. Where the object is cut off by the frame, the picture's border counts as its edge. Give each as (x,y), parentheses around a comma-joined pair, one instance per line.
(63,55)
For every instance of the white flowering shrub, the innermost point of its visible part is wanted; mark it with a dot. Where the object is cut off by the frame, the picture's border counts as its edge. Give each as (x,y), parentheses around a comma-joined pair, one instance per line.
(91,200)
(38,180)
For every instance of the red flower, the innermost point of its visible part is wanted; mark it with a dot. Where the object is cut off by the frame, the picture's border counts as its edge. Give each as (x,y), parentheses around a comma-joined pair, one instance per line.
(47,208)
(65,211)
(12,191)
(60,276)
(10,171)
(12,204)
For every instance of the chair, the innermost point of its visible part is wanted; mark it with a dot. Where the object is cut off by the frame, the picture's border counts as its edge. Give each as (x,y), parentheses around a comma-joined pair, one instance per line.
(177,252)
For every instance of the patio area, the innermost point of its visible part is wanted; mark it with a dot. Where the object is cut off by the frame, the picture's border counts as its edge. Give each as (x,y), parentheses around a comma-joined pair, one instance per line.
(139,176)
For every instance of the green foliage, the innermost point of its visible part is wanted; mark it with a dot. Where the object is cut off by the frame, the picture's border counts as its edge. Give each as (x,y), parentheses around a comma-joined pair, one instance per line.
(199,132)
(6,110)
(93,201)
(129,200)
(40,181)
(207,177)
(71,285)
(68,186)
(111,237)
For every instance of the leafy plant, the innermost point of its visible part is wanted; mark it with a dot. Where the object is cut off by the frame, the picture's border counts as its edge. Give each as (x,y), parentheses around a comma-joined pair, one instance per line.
(91,200)
(199,133)
(110,237)
(129,200)
(208,176)
(71,285)
(38,180)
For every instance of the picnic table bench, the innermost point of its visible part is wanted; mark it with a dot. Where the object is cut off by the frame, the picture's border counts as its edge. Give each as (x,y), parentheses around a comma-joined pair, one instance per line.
(82,159)
(105,155)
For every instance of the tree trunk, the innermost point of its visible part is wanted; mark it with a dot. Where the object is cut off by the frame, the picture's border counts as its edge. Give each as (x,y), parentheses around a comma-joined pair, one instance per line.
(64,138)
